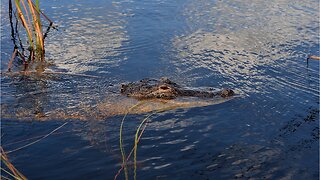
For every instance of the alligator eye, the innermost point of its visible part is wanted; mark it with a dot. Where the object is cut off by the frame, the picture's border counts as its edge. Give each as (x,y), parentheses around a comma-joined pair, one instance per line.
(164,87)
(227,93)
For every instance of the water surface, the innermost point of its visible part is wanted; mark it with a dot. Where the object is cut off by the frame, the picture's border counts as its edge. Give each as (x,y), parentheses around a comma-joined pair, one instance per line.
(258,48)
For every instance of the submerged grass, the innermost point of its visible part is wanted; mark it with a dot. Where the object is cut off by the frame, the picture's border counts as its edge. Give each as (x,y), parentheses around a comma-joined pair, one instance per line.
(123,154)
(138,135)
(136,141)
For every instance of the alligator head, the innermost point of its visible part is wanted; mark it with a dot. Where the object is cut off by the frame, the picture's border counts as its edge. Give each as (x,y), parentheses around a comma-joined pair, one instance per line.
(166,89)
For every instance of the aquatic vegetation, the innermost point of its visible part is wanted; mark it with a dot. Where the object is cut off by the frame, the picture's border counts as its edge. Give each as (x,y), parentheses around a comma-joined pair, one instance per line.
(136,141)
(123,154)
(36,141)
(141,128)
(27,14)
(14,173)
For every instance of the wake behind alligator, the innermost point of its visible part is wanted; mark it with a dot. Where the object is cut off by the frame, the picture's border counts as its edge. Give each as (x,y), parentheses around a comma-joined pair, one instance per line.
(147,95)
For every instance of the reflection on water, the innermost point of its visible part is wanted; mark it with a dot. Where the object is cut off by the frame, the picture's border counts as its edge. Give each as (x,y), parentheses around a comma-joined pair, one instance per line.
(232,40)
(257,48)
(285,20)
(89,38)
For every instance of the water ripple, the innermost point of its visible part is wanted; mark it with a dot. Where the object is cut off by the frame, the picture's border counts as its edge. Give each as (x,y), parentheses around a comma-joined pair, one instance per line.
(248,51)
(88,42)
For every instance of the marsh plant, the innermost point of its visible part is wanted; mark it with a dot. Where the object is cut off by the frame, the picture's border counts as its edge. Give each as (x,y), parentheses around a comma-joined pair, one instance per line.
(28,34)
(8,171)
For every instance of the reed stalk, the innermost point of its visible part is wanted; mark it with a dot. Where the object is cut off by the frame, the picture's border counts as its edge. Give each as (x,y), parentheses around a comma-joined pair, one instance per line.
(137,138)
(136,141)
(29,15)
(123,153)
(38,31)
(14,172)
(24,23)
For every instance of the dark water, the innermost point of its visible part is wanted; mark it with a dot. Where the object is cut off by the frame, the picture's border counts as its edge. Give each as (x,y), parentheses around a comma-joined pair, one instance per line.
(258,48)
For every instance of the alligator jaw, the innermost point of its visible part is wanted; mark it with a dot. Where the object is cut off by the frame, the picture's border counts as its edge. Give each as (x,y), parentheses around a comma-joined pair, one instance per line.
(206,93)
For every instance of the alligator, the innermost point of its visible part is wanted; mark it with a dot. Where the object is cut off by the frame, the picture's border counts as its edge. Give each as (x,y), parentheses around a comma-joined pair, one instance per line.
(164,88)
(149,95)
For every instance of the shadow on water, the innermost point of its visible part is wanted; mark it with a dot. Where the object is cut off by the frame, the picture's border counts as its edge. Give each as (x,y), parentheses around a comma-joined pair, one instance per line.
(258,48)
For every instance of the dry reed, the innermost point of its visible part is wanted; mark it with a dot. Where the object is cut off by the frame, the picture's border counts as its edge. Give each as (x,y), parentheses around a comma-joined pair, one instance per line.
(14,172)
(29,16)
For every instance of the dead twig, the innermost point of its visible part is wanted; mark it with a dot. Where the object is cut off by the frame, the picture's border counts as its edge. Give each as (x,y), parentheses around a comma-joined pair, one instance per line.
(70,74)
(28,73)
(313,57)
(40,12)
(13,35)
(12,58)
